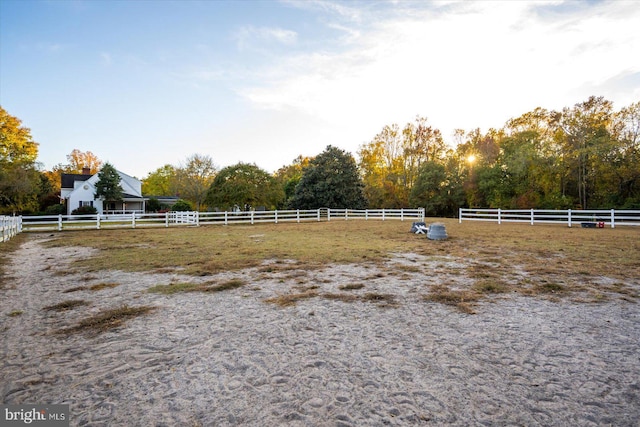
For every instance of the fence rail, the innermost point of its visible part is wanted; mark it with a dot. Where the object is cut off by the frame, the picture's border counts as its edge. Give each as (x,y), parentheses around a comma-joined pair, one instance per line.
(172,219)
(595,217)
(9,227)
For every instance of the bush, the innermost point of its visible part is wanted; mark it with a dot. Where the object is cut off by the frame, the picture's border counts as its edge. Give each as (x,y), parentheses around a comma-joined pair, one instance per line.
(181,206)
(84,210)
(57,209)
(153,205)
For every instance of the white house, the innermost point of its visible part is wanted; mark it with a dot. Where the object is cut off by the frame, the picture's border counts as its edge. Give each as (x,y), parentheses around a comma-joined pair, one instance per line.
(79,190)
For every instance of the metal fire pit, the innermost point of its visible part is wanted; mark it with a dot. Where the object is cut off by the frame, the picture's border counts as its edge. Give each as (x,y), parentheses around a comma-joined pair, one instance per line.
(419,228)
(437,231)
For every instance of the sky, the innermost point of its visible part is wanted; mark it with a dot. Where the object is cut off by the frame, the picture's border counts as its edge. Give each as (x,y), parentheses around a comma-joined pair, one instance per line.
(142,84)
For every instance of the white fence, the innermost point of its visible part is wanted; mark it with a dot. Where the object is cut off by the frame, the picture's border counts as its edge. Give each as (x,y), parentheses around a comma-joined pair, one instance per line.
(594,218)
(171,219)
(9,227)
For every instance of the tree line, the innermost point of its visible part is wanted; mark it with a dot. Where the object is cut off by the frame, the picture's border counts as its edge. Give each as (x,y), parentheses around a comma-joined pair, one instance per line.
(584,156)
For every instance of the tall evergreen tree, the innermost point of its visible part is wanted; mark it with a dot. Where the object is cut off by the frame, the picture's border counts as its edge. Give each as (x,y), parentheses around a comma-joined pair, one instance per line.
(332,181)
(108,185)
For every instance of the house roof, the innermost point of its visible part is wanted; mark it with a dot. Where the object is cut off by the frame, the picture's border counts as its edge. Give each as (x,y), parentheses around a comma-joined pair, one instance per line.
(131,196)
(67,179)
(130,185)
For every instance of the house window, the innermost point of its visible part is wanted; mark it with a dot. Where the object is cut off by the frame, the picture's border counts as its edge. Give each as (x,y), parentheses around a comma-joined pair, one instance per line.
(89,203)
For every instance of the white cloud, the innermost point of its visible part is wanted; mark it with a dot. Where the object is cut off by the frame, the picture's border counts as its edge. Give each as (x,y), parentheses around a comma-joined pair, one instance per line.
(464,65)
(248,36)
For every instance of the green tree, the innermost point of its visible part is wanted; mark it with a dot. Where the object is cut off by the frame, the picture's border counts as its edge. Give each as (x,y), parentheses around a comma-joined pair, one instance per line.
(587,143)
(194,179)
(108,186)
(434,191)
(19,185)
(161,182)
(244,184)
(331,180)
(16,143)
(19,177)
(391,162)
(289,176)
(624,177)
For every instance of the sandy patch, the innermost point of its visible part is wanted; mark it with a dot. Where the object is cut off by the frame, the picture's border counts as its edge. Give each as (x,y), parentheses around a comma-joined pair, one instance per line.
(230,358)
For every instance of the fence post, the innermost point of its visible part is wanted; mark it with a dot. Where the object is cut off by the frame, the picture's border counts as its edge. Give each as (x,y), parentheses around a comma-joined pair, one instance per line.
(297,215)
(459,215)
(60,222)
(499,217)
(532,216)
(383,214)
(98,222)
(401,214)
(197,218)
(252,217)
(328,214)
(275,216)
(569,217)
(613,218)
(346,214)
(166,219)
(133,220)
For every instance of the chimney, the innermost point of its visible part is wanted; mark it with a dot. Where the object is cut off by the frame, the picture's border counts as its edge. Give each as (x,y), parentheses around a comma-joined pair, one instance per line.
(86,170)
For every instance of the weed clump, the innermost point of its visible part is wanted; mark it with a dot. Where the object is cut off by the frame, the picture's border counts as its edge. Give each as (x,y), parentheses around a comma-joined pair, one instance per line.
(66,305)
(351,287)
(291,299)
(101,286)
(174,288)
(463,300)
(107,319)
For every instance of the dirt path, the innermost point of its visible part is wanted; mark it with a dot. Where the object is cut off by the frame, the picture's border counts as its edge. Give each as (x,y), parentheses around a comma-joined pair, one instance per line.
(229,358)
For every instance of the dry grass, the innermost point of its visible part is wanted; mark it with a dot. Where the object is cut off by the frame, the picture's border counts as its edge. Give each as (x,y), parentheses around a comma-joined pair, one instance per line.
(75,289)
(107,319)
(485,259)
(463,300)
(212,249)
(101,286)
(351,287)
(288,300)
(175,288)
(66,305)
(6,249)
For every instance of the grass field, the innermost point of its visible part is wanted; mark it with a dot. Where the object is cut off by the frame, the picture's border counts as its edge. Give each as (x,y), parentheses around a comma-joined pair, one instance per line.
(551,261)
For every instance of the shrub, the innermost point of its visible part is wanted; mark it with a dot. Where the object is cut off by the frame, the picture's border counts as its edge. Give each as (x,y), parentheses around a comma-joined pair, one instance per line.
(153,205)
(56,209)
(181,206)
(84,210)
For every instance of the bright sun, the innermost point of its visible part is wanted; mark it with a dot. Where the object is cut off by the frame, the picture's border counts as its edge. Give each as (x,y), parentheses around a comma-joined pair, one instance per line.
(471,158)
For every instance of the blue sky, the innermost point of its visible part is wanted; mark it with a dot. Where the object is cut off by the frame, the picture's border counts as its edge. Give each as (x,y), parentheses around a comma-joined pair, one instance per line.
(146,83)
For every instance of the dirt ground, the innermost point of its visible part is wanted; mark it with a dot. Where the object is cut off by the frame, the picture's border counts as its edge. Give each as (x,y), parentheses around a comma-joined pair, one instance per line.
(231,358)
